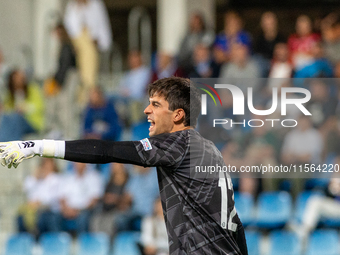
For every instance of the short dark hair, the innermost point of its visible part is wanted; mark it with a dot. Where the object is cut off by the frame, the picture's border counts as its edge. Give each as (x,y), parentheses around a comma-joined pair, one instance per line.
(180,93)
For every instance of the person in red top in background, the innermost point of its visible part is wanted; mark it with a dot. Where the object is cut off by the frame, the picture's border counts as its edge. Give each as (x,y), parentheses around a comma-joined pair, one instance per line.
(300,44)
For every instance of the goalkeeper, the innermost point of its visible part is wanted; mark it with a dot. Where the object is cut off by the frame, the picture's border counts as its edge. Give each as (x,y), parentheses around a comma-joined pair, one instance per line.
(199,213)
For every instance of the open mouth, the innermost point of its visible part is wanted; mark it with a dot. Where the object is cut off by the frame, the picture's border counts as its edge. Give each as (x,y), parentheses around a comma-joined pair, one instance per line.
(152,124)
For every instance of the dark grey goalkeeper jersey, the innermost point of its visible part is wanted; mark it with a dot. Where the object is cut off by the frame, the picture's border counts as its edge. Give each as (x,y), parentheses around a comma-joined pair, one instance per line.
(199,210)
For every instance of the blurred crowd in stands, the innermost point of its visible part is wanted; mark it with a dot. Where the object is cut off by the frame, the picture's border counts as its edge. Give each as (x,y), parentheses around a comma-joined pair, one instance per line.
(115,197)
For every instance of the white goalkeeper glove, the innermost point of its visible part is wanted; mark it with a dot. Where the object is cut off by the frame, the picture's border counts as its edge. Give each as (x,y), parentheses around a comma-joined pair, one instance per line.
(13,153)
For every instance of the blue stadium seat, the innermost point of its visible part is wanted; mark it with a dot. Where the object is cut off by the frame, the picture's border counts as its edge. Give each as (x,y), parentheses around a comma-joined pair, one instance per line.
(55,243)
(126,244)
(323,242)
(244,204)
(94,243)
(301,202)
(273,209)
(20,244)
(253,242)
(284,243)
(331,222)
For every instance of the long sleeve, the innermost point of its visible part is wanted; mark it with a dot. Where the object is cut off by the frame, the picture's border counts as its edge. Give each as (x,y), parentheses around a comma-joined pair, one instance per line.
(98,151)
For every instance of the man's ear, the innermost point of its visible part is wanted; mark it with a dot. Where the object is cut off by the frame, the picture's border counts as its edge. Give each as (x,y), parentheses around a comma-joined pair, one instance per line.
(179,115)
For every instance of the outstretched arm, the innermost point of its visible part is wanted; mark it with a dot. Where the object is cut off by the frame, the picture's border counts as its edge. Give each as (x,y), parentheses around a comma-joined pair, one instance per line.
(86,151)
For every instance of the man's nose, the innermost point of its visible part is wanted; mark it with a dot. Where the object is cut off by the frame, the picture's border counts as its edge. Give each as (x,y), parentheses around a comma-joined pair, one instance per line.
(147,110)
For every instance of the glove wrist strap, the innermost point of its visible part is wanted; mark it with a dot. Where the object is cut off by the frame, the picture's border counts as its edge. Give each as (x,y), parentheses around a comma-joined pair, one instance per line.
(53,149)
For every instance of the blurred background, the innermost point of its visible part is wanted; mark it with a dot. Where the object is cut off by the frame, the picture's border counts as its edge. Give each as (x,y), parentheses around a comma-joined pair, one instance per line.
(72,69)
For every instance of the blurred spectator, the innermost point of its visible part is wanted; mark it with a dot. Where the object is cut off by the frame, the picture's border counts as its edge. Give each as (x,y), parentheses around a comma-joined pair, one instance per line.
(166,66)
(321,207)
(218,59)
(336,70)
(23,108)
(331,132)
(319,66)
(231,154)
(88,25)
(322,104)
(303,144)
(264,137)
(269,36)
(337,85)
(132,89)
(241,65)
(198,34)
(79,194)
(104,219)
(261,147)
(154,238)
(101,119)
(330,31)
(134,82)
(4,69)
(139,196)
(300,44)
(202,66)
(66,61)
(232,33)
(60,89)
(39,214)
(281,69)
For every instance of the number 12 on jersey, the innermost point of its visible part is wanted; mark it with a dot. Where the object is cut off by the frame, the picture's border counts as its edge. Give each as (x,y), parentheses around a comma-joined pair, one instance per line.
(225,183)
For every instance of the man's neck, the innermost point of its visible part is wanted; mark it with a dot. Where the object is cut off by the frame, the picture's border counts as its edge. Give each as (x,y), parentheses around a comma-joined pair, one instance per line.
(180,128)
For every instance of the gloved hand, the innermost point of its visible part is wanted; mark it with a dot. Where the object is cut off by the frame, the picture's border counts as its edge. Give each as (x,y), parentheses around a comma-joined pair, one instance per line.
(14,152)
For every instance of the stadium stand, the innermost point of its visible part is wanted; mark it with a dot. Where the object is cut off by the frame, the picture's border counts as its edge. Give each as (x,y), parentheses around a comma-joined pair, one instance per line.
(253,242)
(301,201)
(284,243)
(126,244)
(93,243)
(261,216)
(323,242)
(273,209)
(58,243)
(20,244)
(245,207)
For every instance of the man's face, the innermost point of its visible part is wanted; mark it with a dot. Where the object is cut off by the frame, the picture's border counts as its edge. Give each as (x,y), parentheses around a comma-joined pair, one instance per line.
(159,116)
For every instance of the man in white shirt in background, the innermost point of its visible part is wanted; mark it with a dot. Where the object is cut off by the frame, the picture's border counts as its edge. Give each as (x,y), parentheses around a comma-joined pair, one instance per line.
(154,238)
(240,66)
(302,144)
(87,23)
(133,86)
(79,194)
(41,211)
